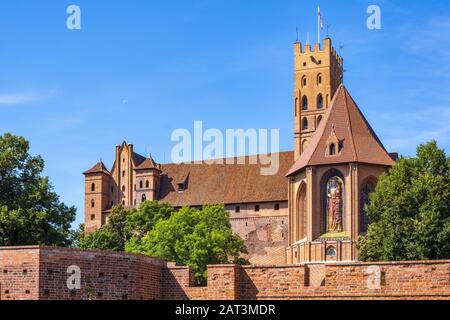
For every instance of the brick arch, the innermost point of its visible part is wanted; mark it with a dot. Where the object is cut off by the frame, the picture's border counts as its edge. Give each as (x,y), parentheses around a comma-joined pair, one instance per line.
(324,197)
(368,184)
(301,213)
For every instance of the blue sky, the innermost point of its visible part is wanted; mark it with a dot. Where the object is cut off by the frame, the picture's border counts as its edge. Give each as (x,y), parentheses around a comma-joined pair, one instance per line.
(137,70)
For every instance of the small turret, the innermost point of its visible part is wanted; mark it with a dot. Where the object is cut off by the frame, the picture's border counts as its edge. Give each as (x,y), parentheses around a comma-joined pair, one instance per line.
(97,196)
(147,181)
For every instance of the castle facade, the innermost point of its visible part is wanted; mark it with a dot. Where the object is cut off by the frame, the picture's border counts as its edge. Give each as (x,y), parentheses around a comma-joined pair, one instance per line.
(312,210)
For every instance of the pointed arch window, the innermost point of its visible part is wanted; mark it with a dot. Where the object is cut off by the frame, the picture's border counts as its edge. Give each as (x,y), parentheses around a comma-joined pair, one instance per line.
(319,120)
(320,101)
(304,81)
(364,220)
(304,103)
(332,149)
(141,184)
(305,124)
(147,184)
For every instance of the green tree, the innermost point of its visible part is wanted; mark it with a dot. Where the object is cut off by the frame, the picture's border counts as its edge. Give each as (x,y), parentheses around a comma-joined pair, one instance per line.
(127,225)
(195,238)
(30,211)
(410,210)
(102,239)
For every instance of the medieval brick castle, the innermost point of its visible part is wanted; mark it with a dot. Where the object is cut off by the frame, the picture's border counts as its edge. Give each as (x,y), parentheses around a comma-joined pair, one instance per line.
(311,211)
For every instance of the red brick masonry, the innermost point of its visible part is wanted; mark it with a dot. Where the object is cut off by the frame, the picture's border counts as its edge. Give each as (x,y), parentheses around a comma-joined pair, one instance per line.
(41,273)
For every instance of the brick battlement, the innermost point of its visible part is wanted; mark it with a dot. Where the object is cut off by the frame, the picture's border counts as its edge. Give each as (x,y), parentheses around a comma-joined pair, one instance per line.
(40,273)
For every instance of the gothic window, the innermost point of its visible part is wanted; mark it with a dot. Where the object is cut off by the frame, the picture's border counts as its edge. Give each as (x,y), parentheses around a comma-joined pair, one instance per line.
(333,202)
(331,252)
(319,101)
(92,203)
(319,79)
(141,184)
(144,198)
(304,103)
(147,184)
(319,120)
(305,145)
(123,188)
(305,124)
(304,82)
(93,187)
(332,149)
(302,225)
(364,220)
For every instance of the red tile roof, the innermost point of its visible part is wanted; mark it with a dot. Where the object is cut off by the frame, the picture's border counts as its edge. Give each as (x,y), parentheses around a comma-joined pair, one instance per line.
(148,163)
(98,168)
(359,143)
(224,184)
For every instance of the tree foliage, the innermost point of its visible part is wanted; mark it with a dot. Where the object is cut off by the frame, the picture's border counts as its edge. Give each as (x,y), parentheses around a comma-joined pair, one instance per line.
(30,211)
(193,237)
(410,210)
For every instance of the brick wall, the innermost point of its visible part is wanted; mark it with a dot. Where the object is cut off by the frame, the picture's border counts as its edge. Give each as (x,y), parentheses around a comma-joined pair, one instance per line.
(33,273)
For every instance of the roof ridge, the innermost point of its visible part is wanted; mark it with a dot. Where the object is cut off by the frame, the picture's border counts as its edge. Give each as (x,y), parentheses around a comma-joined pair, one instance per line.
(350,127)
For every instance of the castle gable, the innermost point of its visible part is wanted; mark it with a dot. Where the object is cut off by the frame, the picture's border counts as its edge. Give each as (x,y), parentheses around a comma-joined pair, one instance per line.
(344,136)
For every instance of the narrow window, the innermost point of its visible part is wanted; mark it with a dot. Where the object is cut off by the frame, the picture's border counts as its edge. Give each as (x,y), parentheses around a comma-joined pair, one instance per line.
(93,217)
(123,173)
(304,103)
(92,203)
(141,184)
(237,209)
(277,207)
(304,82)
(92,187)
(257,208)
(305,124)
(144,198)
(319,79)
(319,101)
(123,188)
(319,120)
(123,202)
(147,184)
(332,149)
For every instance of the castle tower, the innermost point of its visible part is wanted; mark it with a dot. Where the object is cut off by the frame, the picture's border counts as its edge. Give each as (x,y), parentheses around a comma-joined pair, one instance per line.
(318,74)
(97,196)
(147,181)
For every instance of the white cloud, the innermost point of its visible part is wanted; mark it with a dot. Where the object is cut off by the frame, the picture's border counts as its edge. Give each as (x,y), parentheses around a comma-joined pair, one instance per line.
(18,99)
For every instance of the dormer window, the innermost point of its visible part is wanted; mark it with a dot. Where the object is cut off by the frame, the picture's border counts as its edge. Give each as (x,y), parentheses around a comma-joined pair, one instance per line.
(332,149)
(181,187)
